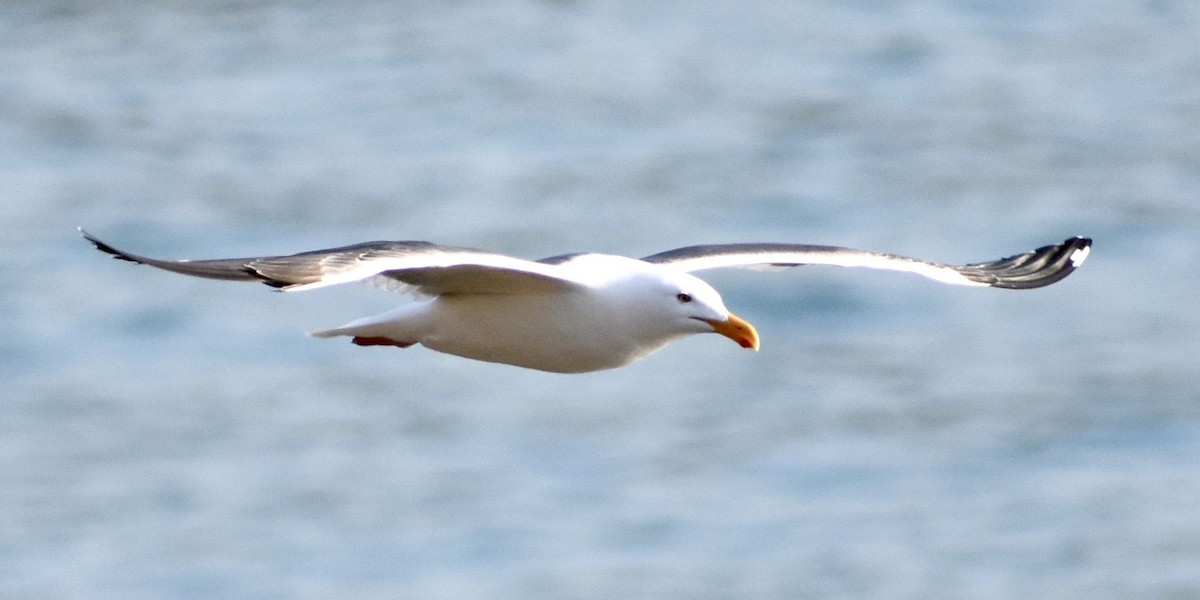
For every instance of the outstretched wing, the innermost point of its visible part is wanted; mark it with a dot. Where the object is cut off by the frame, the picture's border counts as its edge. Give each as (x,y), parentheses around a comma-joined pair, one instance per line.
(1032,269)
(421,267)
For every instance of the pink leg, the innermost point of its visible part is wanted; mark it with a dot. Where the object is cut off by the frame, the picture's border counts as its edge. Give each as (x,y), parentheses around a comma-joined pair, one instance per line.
(379,341)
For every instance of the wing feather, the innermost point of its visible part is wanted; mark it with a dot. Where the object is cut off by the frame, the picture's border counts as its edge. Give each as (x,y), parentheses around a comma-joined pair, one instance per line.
(421,267)
(1032,269)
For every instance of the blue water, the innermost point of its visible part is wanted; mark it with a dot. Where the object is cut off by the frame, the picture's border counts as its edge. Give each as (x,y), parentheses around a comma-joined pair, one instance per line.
(162,437)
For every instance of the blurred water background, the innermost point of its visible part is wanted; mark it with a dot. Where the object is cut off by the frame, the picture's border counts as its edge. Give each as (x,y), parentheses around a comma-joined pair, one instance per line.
(162,437)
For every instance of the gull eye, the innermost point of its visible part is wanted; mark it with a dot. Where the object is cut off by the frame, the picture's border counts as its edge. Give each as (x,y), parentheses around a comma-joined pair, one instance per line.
(683,298)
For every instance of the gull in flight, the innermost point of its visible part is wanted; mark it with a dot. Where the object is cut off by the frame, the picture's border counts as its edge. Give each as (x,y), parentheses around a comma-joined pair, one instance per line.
(573,313)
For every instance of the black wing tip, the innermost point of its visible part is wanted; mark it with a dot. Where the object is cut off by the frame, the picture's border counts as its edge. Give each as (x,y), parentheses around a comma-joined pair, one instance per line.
(108,249)
(1033,269)
(235,270)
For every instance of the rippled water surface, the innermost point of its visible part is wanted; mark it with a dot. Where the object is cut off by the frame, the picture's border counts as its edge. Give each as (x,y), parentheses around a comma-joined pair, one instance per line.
(167,437)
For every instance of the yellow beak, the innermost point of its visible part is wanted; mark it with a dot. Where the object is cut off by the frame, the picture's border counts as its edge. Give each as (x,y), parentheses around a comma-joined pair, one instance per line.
(737,330)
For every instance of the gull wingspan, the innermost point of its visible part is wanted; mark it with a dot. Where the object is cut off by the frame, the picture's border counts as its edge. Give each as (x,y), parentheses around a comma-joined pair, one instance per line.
(1032,269)
(421,267)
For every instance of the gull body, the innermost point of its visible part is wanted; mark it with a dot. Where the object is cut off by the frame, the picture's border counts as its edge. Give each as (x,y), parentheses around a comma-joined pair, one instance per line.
(625,310)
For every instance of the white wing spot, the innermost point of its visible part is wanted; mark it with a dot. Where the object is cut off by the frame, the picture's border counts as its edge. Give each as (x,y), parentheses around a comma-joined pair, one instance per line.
(1080,255)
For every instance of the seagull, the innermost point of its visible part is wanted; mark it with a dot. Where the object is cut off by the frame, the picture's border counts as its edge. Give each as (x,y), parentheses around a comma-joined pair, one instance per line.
(573,313)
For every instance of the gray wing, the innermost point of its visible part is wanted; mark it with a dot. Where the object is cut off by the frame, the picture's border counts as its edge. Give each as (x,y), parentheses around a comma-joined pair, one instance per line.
(1032,269)
(421,267)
